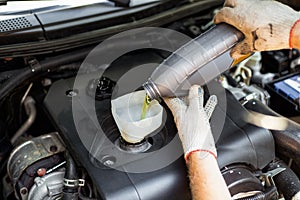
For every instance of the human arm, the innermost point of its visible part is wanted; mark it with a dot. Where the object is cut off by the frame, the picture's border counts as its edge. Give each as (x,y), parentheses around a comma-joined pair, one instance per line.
(267,25)
(192,121)
(206,180)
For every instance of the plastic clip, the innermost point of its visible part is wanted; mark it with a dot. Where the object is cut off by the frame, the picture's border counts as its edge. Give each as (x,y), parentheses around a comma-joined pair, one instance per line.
(74,183)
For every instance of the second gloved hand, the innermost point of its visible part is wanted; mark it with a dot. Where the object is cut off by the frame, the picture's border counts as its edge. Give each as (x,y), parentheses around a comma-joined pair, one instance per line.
(266,24)
(192,121)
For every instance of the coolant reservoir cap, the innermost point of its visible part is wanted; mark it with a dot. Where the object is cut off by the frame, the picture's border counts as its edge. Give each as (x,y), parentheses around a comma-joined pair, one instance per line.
(127,110)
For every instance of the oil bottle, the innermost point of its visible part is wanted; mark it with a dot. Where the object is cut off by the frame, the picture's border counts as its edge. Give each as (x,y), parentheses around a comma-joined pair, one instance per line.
(197,62)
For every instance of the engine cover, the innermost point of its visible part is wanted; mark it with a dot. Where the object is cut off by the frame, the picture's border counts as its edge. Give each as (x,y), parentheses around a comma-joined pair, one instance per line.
(237,142)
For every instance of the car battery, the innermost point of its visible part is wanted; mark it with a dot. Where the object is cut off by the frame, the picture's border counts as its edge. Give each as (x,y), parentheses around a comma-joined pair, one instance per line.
(285,95)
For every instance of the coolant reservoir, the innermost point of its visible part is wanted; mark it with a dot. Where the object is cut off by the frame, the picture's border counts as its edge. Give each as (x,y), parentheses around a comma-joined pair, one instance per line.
(127,110)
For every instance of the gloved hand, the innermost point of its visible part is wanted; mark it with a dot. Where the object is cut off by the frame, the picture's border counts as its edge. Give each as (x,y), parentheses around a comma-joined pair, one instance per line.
(192,121)
(266,24)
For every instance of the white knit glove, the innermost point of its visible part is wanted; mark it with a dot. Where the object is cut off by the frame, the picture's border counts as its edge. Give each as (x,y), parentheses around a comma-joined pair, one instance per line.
(192,121)
(266,24)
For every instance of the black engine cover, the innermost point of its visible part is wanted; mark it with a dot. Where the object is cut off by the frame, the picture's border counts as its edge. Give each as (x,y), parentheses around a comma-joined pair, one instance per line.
(237,142)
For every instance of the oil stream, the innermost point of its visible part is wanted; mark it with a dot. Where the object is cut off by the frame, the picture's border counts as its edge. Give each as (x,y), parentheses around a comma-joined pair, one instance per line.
(145,107)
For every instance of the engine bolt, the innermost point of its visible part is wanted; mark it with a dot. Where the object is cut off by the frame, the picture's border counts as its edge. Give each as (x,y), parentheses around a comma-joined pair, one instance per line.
(109,163)
(108,160)
(53,148)
(23,190)
(41,172)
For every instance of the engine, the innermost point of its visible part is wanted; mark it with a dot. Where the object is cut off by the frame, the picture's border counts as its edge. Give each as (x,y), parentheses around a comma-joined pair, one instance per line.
(59,139)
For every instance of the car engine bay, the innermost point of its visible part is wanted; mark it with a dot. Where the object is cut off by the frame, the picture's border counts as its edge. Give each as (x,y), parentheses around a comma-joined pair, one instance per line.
(47,151)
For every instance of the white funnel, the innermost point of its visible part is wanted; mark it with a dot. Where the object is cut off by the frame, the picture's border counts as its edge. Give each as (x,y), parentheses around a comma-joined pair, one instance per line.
(127,110)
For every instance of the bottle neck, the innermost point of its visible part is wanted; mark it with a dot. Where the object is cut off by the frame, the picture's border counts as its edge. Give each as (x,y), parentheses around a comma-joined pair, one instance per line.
(151,90)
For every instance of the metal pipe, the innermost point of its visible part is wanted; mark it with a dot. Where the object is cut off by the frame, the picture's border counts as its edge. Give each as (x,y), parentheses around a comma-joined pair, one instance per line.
(30,109)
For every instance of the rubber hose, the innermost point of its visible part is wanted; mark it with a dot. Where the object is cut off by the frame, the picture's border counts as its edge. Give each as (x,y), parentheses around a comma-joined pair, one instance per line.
(85,198)
(269,194)
(71,171)
(54,62)
(70,174)
(43,67)
(287,181)
(287,141)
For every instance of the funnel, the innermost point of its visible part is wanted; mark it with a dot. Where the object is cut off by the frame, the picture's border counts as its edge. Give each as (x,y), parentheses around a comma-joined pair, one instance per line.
(126,111)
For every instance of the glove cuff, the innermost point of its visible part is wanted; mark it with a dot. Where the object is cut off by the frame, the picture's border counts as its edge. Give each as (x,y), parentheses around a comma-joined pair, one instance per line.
(292,32)
(204,153)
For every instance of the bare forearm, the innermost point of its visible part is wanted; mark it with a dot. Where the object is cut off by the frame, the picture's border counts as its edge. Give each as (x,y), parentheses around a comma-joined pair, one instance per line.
(206,180)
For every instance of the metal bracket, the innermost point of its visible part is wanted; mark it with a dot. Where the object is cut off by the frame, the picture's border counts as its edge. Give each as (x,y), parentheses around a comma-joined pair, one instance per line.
(33,64)
(268,177)
(74,183)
